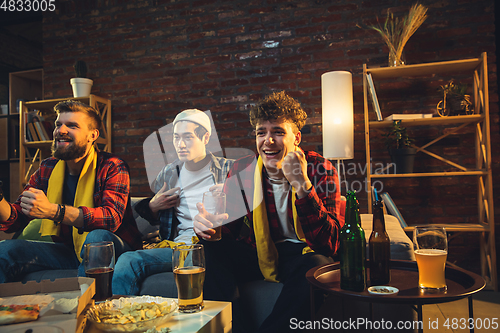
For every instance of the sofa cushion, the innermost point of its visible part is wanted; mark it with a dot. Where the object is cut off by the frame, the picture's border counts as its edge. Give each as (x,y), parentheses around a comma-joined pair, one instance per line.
(161,284)
(145,228)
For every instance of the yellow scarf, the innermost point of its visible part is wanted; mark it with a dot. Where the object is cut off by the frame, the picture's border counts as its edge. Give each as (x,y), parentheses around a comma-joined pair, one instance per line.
(266,250)
(84,196)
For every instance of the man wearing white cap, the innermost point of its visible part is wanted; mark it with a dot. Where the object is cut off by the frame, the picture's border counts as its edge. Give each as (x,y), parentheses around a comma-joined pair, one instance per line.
(179,186)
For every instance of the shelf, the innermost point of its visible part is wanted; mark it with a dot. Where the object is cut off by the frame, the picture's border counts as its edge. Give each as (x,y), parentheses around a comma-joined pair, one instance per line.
(458,227)
(425,69)
(432,174)
(25,85)
(49,103)
(37,144)
(435,121)
(477,69)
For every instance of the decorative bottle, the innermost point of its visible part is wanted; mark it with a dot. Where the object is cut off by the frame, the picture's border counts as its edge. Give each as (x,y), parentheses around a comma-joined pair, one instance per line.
(352,248)
(379,246)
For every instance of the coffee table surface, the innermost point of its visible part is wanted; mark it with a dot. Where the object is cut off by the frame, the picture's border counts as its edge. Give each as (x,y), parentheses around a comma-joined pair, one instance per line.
(404,276)
(215,317)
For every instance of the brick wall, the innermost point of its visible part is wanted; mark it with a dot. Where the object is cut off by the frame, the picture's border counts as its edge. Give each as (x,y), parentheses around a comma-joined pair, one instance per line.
(155,58)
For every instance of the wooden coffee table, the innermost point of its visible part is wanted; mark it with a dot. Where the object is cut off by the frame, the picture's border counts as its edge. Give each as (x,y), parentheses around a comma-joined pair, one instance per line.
(404,276)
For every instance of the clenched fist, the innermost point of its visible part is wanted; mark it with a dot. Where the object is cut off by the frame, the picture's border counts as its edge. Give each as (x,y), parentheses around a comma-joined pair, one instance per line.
(34,203)
(295,170)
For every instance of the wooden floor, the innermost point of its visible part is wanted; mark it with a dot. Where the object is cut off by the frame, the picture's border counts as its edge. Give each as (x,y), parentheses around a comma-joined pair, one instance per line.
(486,306)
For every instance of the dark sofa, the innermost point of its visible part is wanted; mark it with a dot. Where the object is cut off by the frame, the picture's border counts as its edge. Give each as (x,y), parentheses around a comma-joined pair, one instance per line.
(260,296)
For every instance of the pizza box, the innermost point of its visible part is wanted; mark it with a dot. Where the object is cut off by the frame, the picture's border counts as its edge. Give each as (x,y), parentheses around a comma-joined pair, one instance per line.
(82,288)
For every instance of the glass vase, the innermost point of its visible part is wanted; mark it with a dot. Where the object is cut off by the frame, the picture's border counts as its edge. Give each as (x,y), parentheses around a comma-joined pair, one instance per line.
(394,60)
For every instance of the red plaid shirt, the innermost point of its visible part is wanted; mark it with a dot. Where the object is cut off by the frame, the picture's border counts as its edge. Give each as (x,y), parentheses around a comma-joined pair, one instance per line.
(112,210)
(317,212)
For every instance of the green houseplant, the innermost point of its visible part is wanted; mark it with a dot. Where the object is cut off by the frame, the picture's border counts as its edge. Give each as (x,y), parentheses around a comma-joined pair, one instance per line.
(398,143)
(81,84)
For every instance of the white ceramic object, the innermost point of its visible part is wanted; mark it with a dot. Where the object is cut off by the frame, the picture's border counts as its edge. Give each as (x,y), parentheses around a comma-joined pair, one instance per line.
(81,86)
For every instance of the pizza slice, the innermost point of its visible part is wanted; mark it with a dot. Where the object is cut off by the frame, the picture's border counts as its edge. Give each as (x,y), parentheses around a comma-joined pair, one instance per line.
(10,314)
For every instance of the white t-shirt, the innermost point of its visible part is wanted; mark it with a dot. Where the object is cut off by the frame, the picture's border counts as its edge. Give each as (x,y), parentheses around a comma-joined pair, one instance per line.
(193,184)
(281,191)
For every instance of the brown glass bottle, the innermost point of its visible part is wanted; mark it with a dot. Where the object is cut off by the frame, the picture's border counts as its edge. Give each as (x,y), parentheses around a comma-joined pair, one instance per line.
(379,247)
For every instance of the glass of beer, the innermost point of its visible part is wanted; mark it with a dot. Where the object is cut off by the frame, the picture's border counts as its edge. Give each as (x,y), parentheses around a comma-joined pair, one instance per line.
(189,272)
(431,249)
(99,263)
(215,203)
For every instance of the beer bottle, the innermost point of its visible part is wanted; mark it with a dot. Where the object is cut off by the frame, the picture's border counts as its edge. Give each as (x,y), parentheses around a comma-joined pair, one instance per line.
(352,248)
(379,247)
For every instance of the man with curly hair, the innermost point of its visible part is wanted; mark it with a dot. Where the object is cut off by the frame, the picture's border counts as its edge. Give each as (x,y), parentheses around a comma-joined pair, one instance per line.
(284,224)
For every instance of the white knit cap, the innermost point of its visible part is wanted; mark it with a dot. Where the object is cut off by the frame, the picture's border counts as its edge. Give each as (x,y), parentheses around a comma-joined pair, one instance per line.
(195,116)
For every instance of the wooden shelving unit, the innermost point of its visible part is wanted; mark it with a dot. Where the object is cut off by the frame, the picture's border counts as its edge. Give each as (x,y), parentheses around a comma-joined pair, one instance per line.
(480,120)
(23,86)
(30,158)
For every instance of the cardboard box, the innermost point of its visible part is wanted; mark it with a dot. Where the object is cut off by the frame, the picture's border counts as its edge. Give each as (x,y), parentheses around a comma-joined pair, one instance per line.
(72,322)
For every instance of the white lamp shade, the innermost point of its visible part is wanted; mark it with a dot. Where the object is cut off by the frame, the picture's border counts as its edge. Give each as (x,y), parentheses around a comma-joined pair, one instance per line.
(337,115)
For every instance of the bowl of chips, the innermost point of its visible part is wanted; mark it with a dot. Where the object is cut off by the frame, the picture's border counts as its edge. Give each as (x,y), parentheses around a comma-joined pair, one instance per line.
(131,314)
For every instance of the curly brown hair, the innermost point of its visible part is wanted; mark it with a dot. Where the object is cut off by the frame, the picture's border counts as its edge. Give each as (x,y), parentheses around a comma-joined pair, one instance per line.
(278,106)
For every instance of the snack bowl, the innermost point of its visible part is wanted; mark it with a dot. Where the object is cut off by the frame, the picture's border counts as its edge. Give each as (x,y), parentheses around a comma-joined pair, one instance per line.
(383,290)
(99,313)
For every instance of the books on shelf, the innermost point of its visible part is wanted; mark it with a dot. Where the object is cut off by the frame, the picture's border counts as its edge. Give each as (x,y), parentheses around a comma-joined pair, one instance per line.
(373,94)
(38,128)
(33,133)
(408,116)
(391,207)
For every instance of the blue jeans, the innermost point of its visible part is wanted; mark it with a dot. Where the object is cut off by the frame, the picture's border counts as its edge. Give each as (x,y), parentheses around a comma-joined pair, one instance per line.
(133,267)
(19,257)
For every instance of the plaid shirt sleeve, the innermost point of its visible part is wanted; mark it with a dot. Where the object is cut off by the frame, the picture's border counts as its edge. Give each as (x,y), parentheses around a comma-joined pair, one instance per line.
(39,180)
(110,196)
(111,210)
(318,211)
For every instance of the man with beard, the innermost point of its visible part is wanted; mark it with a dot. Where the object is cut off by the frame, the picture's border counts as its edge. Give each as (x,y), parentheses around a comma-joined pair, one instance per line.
(78,196)
(289,220)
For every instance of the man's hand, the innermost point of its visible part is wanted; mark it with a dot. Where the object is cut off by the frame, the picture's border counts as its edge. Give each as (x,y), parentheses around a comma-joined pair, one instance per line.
(34,203)
(164,199)
(295,170)
(216,188)
(204,222)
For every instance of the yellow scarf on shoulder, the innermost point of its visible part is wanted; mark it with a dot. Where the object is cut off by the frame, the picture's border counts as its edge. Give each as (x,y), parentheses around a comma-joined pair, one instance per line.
(84,196)
(266,250)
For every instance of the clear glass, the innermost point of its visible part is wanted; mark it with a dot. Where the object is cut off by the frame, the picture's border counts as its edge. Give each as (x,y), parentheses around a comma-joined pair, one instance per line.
(394,60)
(431,250)
(99,263)
(189,271)
(215,203)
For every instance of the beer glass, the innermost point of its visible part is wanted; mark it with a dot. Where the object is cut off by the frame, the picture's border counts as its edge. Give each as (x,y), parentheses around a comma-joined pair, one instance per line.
(431,249)
(215,203)
(99,263)
(189,272)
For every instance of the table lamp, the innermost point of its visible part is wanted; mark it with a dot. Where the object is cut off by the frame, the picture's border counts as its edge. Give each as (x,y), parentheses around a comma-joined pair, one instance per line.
(337,116)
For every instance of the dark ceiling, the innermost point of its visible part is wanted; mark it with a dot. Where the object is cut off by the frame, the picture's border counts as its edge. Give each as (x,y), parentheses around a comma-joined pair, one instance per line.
(22,30)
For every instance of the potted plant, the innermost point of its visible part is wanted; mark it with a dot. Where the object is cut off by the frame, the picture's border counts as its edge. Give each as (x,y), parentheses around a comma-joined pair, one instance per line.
(399,143)
(81,84)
